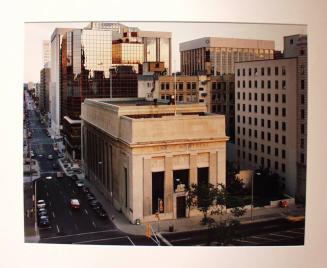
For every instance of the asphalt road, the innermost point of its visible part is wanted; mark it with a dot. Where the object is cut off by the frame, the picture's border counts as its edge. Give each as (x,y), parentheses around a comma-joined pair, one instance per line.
(68,226)
(269,233)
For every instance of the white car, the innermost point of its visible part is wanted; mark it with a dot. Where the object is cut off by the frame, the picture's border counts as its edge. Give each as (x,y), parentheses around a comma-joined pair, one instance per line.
(74,203)
(40,203)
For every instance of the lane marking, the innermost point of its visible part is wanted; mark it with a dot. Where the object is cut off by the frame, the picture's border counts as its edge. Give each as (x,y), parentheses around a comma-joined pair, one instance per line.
(81,234)
(58,229)
(130,240)
(53,215)
(263,238)
(246,241)
(293,232)
(103,239)
(285,236)
(86,212)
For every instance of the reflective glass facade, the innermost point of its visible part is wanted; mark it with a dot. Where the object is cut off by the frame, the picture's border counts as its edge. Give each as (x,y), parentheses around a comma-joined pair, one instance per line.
(128,54)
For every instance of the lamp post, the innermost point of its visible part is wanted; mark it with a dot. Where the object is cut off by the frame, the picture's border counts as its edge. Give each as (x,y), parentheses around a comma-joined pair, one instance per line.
(257,173)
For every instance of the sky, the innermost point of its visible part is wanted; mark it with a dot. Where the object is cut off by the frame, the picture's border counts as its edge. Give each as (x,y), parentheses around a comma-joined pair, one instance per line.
(35,33)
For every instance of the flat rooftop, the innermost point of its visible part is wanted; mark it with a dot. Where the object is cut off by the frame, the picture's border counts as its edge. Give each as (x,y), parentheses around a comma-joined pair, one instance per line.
(134,102)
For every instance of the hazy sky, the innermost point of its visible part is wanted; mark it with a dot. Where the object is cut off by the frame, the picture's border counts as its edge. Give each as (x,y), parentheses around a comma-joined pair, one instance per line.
(35,33)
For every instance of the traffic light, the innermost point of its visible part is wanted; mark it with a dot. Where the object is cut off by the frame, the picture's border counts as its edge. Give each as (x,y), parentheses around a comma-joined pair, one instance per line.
(148,231)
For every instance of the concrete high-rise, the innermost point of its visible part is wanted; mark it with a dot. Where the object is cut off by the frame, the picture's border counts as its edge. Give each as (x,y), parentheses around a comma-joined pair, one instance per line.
(216,56)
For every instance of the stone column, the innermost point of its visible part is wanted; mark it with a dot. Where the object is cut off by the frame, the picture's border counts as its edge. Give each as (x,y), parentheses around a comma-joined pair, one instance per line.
(193,169)
(169,185)
(213,168)
(147,187)
(221,166)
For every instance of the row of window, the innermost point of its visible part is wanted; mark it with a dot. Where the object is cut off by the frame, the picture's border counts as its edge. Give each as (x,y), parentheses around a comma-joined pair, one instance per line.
(263,136)
(255,95)
(179,85)
(264,123)
(264,162)
(262,71)
(263,84)
(263,148)
(262,110)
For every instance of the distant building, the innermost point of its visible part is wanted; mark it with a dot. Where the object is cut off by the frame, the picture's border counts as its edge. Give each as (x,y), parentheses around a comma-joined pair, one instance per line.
(46,52)
(216,56)
(142,157)
(44,90)
(271,114)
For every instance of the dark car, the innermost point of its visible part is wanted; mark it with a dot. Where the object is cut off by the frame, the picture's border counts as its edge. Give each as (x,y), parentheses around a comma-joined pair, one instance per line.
(74,177)
(44,221)
(55,165)
(94,204)
(42,212)
(85,189)
(90,198)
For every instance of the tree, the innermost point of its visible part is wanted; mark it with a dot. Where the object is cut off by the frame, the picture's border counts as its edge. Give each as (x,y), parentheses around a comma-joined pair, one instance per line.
(203,195)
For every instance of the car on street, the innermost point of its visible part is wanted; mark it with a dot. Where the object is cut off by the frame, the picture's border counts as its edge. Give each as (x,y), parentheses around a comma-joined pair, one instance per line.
(95,204)
(74,177)
(74,203)
(50,157)
(44,221)
(79,183)
(42,212)
(41,203)
(90,197)
(102,213)
(86,189)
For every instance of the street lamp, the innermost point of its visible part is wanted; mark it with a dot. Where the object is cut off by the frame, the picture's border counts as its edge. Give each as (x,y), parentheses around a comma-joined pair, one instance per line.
(257,173)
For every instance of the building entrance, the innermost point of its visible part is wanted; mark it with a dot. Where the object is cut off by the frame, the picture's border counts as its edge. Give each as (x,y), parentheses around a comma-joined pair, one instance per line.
(180,207)
(157,191)
(181,177)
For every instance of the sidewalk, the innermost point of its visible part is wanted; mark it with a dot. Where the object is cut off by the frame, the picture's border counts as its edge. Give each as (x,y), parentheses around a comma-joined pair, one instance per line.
(183,224)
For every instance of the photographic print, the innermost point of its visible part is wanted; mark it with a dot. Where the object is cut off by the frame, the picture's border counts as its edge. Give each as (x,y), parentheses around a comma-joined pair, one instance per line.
(165,133)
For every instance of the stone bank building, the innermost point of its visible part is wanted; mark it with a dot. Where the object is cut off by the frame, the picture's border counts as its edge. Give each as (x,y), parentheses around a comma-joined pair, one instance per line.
(142,155)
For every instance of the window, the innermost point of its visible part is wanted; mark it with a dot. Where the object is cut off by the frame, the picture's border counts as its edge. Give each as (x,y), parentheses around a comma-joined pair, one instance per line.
(276,111)
(250,132)
(284,140)
(243,119)
(243,71)
(193,85)
(283,167)
(262,135)
(238,84)
(302,143)
(250,96)
(243,130)
(283,154)
(268,136)
(167,85)
(238,95)
(255,71)
(180,98)
(269,84)
(243,95)
(283,70)
(268,71)
(238,106)
(250,83)
(238,153)
(255,96)
(256,84)
(262,97)
(268,110)
(162,86)
(238,72)
(284,98)
(302,70)
(276,70)
(255,109)
(269,97)
(276,98)
(250,157)
(250,110)
(276,165)
(243,143)
(250,71)
(255,158)
(276,151)
(268,163)
(262,161)
(302,52)
(283,84)
(243,107)
(276,138)
(262,71)
(238,141)
(276,84)
(302,99)
(302,84)
(268,123)
(262,148)
(243,82)
(238,118)
(302,158)
(250,144)
(302,128)
(262,84)
(262,123)
(243,154)
(255,133)
(284,112)
(283,126)
(255,121)
(180,86)
(255,146)
(291,41)
(276,124)
(238,130)
(262,109)
(268,149)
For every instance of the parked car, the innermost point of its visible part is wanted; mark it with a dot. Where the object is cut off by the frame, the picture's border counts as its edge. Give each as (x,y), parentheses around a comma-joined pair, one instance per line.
(41,203)
(86,189)
(50,157)
(74,203)
(44,221)
(42,212)
(90,197)
(94,204)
